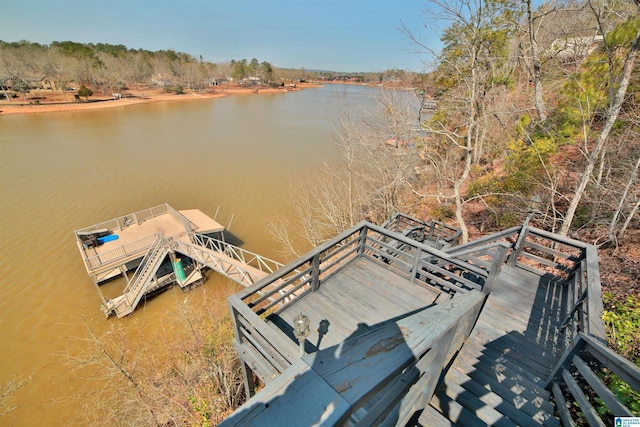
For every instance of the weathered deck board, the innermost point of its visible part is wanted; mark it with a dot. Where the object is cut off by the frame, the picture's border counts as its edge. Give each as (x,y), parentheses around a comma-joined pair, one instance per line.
(364,293)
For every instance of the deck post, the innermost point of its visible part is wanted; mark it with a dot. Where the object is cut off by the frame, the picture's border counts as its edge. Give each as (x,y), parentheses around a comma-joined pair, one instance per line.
(247,379)
(518,246)
(247,373)
(363,240)
(496,267)
(315,272)
(432,228)
(414,268)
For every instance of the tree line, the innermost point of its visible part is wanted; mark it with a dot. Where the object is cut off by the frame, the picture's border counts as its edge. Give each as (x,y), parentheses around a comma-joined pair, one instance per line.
(110,68)
(532,104)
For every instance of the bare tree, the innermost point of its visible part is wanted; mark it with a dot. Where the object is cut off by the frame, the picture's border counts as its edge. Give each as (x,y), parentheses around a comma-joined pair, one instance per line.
(470,67)
(615,103)
(375,151)
(7,391)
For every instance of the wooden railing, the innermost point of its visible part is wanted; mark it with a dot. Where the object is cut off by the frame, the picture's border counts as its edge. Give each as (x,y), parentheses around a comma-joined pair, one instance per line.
(573,262)
(408,258)
(433,231)
(408,354)
(578,378)
(456,270)
(552,257)
(587,358)
(132,218)
(418,263)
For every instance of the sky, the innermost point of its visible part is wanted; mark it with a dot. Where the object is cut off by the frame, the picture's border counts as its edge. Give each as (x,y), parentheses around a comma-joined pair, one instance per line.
(333,35)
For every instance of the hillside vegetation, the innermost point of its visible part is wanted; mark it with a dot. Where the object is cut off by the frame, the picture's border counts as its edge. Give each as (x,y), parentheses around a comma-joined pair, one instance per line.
(532,105)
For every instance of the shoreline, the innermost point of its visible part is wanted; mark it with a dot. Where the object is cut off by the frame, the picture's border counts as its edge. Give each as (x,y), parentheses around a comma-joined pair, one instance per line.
(131,97)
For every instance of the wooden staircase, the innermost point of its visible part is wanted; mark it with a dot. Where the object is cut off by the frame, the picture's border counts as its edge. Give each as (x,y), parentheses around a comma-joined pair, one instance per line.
(483,387)
(499,374)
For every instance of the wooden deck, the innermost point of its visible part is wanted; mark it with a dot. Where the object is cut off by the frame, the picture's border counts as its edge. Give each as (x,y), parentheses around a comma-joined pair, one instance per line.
(523,360)
(340,308)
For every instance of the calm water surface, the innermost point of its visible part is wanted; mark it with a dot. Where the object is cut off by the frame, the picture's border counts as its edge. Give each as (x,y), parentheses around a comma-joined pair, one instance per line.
(64,171)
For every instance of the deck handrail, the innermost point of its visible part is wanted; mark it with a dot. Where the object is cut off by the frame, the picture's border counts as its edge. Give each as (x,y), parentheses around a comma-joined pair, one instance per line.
(570,261)
(577,366)
(365,239)
(408,352)
(423,265)
(433,230)
(122,222)
(556,257)
(137,247)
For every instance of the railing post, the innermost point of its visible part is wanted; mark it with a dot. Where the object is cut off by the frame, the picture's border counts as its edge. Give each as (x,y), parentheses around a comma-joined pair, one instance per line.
(432,229)
(315,272)
(363,240)
(416,261)
(496,267)
(518,246)
(565,360)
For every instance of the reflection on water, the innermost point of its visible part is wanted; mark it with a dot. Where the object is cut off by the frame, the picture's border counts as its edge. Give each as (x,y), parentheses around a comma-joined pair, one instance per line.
(64,171)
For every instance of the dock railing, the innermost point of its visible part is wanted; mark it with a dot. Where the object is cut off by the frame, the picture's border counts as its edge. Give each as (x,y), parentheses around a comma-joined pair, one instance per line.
(418,263)
(124,221)
(188,225)
(139,247)
(259,262)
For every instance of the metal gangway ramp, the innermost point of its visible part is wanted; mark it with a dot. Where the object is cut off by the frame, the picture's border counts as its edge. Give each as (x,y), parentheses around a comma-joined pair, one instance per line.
(240,265)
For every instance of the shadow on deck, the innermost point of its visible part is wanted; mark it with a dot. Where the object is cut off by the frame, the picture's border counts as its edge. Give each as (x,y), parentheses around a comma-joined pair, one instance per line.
(396,338)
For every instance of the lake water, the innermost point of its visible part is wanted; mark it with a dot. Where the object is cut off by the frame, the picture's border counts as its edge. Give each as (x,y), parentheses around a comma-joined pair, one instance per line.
(64,171)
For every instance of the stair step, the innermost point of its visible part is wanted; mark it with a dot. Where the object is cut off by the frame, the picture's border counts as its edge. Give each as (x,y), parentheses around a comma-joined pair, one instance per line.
(503,381)
(430,417)
(490,400)
(527,357)
(500,362)
(506,402)
(462,416)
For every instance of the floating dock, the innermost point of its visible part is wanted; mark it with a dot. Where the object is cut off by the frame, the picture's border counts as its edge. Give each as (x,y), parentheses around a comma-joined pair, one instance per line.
(164,247)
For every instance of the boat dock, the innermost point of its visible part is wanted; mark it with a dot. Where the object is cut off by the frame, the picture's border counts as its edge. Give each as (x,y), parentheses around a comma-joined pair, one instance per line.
(163,246)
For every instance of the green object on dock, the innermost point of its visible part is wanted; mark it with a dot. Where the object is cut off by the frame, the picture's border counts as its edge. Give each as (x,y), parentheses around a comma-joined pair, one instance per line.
(177,268)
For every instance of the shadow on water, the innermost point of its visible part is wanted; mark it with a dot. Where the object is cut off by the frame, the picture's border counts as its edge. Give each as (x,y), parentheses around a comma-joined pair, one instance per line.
(232,239)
